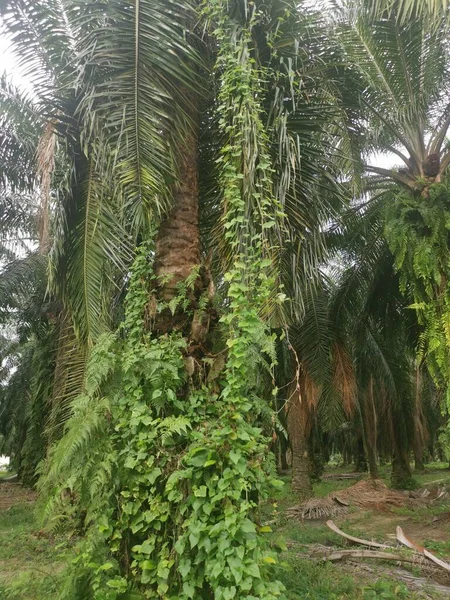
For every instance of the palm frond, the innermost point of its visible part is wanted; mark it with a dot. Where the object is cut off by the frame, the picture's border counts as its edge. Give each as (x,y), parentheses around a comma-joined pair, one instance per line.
(405,10)
(20,126)
(42,40)
(142,69)
(89,244)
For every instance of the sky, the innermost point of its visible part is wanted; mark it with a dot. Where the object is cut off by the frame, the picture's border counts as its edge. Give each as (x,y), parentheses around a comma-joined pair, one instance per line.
(9,64)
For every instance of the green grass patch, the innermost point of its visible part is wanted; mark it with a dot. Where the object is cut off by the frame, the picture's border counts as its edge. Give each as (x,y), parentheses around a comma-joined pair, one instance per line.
(439,547)
(31,563)
(312,532)
(305,579)
(325,487)
(309,580)
(423,514)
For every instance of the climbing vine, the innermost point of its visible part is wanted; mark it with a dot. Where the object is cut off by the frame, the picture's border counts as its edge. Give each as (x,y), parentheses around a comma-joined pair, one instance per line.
(184,464)
(418,232)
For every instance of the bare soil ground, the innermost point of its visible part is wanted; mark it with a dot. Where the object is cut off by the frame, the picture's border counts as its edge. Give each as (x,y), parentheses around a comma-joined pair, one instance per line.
(12,494)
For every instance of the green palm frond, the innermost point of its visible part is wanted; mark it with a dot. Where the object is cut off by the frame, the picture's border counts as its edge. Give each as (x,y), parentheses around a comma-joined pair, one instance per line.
(18,278)
(142,70)
(406,10)
(68,376)
(401,70)
(90,243)
(42,40)
(18,214)
(20,126)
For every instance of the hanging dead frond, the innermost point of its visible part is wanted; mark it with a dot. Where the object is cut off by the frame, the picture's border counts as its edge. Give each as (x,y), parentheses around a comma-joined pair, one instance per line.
(344,378)
(45,160)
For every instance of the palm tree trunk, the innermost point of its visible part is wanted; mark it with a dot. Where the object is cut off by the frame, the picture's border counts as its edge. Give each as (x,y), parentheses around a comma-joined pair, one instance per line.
(297,424)
(419,465)
(178,241)
(178,256)
(401,476)
(347,457)
(400,441)
(420,432)
(370,430)
(282,448)
(372,462)
(360,456)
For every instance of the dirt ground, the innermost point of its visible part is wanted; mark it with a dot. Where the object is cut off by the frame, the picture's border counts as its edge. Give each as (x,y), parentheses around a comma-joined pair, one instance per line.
(12,493)
(424,516)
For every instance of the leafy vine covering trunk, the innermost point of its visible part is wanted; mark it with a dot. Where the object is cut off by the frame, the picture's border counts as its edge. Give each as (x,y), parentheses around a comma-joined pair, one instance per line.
(176,460)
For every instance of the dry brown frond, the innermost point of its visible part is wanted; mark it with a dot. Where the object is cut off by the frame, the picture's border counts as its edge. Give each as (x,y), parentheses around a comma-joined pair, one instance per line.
(344,378)
(45,167)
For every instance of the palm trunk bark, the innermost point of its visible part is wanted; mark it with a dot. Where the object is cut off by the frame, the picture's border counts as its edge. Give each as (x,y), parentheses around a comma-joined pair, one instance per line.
(419,465)
(347,457)
(420,432)
(282,462)
(297,424)
(401,472)
(400,441)
(178,241)
(360,456)
(178,256)
(370,428)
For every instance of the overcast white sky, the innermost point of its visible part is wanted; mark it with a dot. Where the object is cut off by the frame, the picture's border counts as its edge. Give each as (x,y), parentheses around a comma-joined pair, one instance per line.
(8,62)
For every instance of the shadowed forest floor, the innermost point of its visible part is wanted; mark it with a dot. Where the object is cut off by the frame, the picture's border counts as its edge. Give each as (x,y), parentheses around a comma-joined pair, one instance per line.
(32,562)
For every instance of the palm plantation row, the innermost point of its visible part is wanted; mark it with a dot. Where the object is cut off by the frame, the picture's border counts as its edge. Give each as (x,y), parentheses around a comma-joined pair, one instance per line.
(202,260)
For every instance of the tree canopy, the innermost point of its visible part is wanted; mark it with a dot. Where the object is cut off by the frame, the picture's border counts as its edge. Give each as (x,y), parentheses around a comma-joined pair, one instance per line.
(205,269)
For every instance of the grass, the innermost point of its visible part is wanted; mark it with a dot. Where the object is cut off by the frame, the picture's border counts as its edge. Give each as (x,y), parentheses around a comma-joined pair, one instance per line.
(323,488)
(423,514)
(31,566)
(308,580)
(314,581)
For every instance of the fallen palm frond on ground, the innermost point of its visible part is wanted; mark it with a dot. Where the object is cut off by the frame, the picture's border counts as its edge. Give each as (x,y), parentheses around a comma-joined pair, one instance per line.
(368,494)
(353,539)
(403,539)
(317,508)
(344,554)
(373,494)
(339,476)
(418,556)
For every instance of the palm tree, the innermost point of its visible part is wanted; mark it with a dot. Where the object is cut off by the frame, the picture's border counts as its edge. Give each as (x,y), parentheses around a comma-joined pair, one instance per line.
(317,381)
(383,336)
(131,98)
(401,68)
(407,9)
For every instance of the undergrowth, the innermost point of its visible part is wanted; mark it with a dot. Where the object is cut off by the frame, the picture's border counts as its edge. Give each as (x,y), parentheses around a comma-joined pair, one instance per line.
(31,565)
